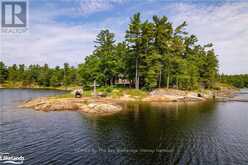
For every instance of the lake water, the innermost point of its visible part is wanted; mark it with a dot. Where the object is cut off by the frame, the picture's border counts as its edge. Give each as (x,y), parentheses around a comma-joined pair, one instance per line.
(204,133)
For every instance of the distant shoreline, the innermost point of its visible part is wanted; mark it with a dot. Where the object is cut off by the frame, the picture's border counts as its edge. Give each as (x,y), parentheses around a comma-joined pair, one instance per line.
(39,87)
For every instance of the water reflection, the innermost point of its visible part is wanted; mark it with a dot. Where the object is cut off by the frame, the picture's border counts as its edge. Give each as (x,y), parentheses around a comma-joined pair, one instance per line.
(202,133)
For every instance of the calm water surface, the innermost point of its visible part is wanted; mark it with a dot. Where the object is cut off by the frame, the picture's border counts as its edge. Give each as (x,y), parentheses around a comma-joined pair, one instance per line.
(205,133)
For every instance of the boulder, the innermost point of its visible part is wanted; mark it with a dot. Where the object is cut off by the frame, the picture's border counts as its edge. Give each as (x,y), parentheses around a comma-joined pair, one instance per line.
(104,107)
(77,93)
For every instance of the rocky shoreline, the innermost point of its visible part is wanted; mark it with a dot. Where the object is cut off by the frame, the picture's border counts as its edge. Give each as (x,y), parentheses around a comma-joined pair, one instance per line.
(84,105)
(110,105)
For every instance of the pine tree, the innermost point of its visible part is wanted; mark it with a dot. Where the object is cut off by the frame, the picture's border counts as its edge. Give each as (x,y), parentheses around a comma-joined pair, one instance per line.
(133,38)
(3,72)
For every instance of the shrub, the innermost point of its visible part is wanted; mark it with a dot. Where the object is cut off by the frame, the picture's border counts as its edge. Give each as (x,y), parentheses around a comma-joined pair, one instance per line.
(117,93)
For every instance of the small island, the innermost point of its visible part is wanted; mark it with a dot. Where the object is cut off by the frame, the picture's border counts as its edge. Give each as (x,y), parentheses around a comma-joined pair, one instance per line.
(111,102)
(84,105)
(92,82)
(155,62)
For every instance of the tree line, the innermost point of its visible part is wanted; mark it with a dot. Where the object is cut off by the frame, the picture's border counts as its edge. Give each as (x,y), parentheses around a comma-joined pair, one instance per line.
(152,54)
(39,75)
(239,81)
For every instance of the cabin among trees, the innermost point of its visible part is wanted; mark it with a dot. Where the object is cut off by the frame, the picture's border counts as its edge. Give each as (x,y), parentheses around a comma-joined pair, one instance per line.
(122,82)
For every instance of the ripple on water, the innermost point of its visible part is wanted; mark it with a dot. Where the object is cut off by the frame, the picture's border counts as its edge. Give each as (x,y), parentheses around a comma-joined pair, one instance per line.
(207,133)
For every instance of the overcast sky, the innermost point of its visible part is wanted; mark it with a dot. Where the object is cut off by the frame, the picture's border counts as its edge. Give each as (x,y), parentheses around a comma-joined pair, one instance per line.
(65,30)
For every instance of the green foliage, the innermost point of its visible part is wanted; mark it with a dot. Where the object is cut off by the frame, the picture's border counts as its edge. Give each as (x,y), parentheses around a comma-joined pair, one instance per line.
(54,81)
(135,92)
(87,93)
(3,72)
(153,54)
(13,73)
(239,81)
(108,89)
(66,95)
(134,40)
(38,75)
(117,93)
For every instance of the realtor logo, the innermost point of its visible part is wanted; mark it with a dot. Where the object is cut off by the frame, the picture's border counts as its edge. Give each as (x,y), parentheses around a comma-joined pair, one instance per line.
(7,158)
(14,14)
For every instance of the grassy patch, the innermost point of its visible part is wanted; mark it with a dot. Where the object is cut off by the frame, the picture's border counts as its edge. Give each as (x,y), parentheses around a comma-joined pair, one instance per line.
(66,95)
(87,93)
(135,92)
(224,86)
(117,93)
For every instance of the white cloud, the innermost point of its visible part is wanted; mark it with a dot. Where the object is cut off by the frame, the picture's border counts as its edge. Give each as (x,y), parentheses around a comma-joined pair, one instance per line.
(93,6)
(53,42)
(225,26)
(49,43)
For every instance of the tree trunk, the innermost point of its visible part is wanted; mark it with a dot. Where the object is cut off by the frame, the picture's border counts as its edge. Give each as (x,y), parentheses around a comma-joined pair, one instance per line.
(160,76)
(177,82)
(94,88)
(168,81)
(136,75)
(113,80)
